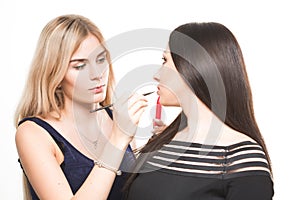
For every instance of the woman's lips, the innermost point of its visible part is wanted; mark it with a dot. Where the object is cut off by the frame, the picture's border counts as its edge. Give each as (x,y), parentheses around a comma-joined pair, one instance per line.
(97,89)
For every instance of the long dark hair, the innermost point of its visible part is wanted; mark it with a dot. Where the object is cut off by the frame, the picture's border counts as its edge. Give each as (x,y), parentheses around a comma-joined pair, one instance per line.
(219,49)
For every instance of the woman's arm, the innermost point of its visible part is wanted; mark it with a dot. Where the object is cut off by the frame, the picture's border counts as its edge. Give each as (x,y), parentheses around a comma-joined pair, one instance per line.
(41,161)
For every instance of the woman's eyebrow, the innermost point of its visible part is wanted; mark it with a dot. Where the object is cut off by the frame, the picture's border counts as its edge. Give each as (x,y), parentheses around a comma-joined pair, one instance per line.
(85,59)
(79,60)
(101,53)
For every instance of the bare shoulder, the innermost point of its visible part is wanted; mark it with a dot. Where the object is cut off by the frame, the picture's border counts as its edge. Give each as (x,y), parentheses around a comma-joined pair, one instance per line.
(30,135)
(41,159)
(230,136)
(29,130)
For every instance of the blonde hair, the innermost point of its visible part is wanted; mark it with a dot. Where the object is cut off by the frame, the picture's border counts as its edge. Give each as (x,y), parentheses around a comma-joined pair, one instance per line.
(26,190)
(58,41)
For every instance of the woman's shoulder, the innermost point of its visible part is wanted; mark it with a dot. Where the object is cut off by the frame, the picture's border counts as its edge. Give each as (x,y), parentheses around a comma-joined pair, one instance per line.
(32,138)
(28,124)
(231,155)
(30,130)
(230,137)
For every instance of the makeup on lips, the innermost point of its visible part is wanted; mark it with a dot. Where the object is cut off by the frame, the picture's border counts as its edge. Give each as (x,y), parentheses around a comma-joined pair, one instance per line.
(98,89)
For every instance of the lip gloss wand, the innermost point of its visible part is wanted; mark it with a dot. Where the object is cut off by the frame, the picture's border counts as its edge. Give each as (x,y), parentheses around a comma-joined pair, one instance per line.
(110,105)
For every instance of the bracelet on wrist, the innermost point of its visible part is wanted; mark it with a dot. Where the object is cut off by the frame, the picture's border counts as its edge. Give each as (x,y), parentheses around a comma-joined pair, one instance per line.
(102,165)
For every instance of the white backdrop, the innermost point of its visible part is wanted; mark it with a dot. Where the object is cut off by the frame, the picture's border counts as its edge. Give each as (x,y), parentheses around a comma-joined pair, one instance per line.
(268,32)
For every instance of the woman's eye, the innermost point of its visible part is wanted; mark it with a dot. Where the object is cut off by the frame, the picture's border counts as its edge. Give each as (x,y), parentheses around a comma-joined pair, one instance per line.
(101,60)
(79,66)
(164,60)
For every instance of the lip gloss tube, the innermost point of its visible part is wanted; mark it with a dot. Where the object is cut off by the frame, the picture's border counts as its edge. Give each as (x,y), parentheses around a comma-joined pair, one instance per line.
(158,110)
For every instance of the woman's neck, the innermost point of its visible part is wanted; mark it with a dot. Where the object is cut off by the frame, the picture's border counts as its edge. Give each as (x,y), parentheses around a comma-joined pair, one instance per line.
(202,124)
(79,115)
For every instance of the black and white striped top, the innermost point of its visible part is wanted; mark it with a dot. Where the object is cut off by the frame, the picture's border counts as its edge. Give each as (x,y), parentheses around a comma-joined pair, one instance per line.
(240,159)
(181,170)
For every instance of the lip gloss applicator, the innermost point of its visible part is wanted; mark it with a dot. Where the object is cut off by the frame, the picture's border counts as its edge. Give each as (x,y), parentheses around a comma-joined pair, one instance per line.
(110,105)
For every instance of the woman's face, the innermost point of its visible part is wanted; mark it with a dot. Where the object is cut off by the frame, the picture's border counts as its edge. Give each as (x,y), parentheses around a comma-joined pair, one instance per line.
(87,75)
(169,81)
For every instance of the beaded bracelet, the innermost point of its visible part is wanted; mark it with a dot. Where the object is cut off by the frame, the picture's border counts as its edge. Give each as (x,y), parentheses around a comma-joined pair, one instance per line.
(102,165)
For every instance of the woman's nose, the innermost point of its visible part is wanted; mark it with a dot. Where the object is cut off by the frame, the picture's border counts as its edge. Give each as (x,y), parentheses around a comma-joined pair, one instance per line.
(95,72)
(156,76)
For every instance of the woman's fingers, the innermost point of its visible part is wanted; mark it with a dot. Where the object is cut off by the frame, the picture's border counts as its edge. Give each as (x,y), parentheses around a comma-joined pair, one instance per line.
(158,122)
(128,112)
(136,106)
(159,126)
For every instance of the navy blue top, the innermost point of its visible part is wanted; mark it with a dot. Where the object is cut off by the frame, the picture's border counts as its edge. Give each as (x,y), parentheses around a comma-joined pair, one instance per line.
(76,166)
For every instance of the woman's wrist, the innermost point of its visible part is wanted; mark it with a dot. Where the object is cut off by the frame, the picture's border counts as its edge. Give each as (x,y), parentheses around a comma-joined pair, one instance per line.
(101,164)
(113,150)
(111,157)
(120,139)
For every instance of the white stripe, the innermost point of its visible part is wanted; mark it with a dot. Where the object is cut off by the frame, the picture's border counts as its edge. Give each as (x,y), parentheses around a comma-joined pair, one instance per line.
(187,162)
(184,170)
(195,148)
(188,155)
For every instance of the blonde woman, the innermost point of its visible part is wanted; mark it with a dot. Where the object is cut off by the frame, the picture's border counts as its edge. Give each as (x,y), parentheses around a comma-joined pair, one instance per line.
(61,149)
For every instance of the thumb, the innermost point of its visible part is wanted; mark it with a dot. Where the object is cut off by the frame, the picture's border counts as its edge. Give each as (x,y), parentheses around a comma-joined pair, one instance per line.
(158,122)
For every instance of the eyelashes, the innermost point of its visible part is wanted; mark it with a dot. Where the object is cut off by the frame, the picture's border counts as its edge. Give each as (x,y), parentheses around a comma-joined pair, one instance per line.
(100,60)
(78,67)
(164,60)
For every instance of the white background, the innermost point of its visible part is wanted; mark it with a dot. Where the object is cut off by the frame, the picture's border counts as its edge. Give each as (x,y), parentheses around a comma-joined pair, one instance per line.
(267,30)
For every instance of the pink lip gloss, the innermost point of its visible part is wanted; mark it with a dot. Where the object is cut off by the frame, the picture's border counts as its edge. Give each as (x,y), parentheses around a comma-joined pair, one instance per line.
(158,110)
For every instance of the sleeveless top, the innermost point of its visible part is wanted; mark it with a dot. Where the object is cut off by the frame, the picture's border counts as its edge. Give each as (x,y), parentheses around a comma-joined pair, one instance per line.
(76,166)
(182,170)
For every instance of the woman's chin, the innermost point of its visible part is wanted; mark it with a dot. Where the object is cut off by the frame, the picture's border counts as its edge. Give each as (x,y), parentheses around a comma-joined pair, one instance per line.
(99,98)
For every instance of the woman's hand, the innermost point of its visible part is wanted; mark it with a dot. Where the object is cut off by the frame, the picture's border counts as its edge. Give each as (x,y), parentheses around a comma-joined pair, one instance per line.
(158,126)
(127,113)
